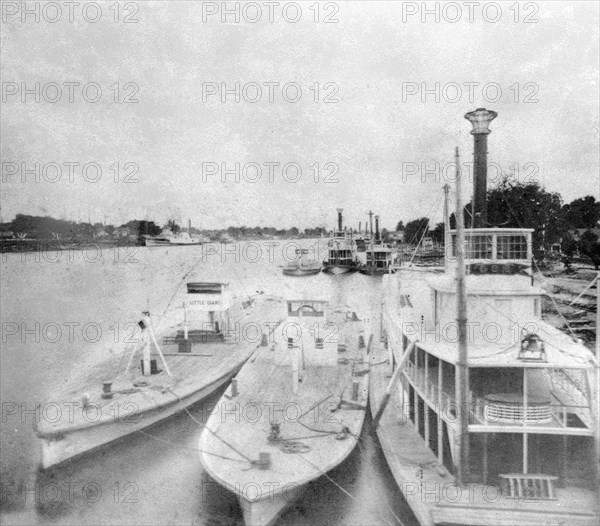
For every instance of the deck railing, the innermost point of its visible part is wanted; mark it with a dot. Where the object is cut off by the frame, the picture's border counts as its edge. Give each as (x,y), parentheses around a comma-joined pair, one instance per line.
(485,412)
(555,415)
(429,390)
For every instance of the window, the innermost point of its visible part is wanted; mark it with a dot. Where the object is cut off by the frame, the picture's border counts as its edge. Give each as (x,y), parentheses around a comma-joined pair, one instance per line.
(479,247)
(512,247)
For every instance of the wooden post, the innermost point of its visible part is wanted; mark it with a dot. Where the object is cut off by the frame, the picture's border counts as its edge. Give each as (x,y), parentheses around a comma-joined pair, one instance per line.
(597,394)
(416,409)
(461,369)
(185,321)
(146,349)
(525,441)
(439,413)
(485,458)
(390,387)
(447,242)
(525,453)
(425,405)
(153,336)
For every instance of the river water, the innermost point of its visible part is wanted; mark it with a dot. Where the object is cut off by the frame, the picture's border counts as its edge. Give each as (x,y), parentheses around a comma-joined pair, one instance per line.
(63,310)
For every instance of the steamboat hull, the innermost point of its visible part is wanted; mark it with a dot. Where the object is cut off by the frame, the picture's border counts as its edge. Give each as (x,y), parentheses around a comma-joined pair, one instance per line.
(70,444)
(301,271)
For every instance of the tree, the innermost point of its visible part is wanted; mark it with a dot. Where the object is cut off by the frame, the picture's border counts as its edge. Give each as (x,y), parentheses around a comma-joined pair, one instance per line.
(143,228)
(414,230)
(400,226)
(582,213)
(568,246)
(520,205)
(173,226)
(438,232)
(590,247)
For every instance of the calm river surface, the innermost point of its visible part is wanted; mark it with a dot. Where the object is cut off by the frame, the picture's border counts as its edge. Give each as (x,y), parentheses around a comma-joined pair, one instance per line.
(64,310)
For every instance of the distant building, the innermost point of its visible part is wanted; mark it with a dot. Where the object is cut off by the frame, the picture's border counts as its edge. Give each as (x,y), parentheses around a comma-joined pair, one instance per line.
(396,236)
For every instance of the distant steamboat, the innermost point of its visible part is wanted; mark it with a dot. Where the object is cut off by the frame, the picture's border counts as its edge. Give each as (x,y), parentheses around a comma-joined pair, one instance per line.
(341,251)
(168,238)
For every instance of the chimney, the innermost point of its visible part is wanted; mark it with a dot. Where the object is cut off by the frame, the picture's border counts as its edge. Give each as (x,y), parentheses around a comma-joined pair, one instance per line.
(189,226)
(339,211)
(359,225)
(480,119)
(377,229)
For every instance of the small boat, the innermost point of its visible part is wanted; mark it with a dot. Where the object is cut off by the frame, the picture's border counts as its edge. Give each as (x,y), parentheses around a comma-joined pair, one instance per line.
(293,412)
(341,251)
(200,347)
(301,266)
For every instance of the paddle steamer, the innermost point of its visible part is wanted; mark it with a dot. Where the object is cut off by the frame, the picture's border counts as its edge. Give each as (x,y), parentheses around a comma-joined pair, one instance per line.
(487,414)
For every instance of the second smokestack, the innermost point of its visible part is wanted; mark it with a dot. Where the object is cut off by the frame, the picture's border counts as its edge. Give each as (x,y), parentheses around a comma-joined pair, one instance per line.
(339,211)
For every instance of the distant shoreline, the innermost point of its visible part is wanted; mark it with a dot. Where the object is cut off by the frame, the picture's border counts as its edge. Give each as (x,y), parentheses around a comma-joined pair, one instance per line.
(8,246)
(40,245)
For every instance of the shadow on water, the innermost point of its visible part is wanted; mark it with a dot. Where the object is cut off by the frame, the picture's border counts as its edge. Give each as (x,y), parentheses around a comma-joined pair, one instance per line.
(359,492)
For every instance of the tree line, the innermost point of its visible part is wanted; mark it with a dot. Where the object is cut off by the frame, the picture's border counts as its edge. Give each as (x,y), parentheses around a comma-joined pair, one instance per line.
(528,205)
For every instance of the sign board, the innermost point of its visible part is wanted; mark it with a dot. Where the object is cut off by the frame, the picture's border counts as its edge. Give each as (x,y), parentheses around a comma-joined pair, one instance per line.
(207,302)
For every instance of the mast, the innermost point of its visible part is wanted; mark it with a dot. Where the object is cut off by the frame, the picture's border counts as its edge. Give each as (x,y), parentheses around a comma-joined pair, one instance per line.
(597,394)
(462,371)
(446,225)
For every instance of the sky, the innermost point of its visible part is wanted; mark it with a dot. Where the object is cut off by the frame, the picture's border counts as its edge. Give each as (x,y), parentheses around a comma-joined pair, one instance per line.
(383,88)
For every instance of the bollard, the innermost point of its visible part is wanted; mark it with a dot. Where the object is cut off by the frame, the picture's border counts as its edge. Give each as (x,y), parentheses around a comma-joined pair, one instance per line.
(264,460)
(107,390)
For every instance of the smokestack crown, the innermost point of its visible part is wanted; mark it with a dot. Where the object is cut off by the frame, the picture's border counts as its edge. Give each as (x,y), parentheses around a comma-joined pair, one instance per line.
(480,119)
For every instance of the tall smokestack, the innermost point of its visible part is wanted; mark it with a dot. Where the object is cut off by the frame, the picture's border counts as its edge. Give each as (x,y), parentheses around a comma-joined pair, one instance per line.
(377,229)
(480,119)
(359,225)
(339,211)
